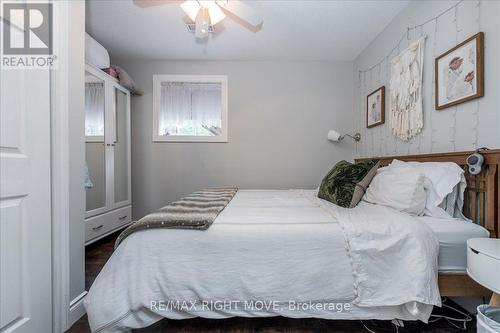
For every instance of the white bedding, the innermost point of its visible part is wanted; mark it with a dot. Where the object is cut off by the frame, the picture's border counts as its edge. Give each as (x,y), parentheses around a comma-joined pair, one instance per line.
(453,235)
(274,246)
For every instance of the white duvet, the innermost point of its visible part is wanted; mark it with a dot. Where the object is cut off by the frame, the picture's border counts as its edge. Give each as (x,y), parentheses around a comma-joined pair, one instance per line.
(272,253)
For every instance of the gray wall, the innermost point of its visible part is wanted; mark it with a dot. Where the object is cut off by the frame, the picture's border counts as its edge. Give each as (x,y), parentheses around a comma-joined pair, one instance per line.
(467,126)
(279,114)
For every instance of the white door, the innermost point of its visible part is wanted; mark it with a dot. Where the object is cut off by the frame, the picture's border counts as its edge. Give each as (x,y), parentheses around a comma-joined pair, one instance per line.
(25,213)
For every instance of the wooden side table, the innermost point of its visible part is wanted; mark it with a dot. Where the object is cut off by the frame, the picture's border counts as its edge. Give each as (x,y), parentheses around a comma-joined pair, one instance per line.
(495,299)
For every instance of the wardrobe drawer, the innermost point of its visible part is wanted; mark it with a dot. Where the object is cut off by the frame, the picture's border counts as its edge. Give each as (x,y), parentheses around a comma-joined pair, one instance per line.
(99,225)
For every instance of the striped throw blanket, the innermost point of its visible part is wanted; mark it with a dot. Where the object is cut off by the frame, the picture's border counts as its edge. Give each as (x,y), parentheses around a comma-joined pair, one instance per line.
(195,211)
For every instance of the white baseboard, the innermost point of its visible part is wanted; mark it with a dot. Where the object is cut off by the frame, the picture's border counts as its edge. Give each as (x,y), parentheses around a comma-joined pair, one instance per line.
(76,308)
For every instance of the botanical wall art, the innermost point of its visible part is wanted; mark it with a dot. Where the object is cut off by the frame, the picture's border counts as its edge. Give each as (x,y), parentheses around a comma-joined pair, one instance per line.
(375,108)
(406,115)
(459,73)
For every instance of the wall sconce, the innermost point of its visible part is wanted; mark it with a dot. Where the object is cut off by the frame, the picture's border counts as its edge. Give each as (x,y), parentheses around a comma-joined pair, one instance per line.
(335,136)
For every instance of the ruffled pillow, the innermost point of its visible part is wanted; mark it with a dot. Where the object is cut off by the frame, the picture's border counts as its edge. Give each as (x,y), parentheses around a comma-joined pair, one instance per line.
(346,183)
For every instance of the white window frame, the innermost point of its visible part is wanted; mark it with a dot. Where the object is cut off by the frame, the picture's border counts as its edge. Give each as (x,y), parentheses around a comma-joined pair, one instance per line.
(158,79)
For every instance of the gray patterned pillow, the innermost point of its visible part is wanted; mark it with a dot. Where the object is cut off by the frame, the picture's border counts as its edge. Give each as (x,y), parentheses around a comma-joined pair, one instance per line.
(346,183)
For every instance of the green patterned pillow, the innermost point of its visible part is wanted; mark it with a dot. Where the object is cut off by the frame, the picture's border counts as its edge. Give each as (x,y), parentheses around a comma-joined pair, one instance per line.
(346,183)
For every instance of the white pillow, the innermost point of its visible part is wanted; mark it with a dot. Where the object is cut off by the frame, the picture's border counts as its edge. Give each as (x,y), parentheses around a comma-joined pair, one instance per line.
(125,79)
(442,177)
(399,188)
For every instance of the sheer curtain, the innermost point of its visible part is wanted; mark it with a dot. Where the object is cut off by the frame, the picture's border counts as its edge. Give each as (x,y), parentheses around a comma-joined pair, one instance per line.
(94,109)
(206,106)
(189,108)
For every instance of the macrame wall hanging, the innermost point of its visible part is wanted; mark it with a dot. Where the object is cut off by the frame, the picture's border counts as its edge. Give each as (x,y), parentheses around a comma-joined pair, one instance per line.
(406,114)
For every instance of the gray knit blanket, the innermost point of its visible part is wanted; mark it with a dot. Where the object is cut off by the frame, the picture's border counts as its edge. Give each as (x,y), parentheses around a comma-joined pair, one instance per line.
(195,211)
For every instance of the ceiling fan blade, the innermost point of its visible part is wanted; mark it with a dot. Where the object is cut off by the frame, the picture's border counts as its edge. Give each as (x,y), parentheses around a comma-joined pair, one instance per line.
(152,3)
(242,10)
(216,14)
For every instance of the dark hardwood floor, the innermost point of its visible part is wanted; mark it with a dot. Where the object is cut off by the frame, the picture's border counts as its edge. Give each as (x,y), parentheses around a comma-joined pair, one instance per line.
(98,253)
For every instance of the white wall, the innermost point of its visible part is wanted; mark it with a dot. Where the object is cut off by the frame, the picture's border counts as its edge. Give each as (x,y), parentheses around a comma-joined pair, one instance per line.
(279,114)
(465,127)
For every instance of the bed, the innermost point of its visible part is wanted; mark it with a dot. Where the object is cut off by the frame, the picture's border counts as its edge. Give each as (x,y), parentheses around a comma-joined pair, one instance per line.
(453,235)
(271,253)
(482,206)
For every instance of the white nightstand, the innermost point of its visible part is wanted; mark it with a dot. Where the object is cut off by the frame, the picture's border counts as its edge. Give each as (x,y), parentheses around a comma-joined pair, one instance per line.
(483,264)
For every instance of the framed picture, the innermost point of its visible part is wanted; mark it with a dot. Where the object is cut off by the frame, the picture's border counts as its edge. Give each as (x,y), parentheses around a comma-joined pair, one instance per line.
(375,108)
(459,73)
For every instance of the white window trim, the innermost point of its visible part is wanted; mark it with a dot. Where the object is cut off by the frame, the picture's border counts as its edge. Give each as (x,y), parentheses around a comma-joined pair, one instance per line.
(222,79)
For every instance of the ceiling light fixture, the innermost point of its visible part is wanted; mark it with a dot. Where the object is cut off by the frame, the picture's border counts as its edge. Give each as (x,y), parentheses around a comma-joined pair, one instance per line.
(207,13)
(204,14)
(202,23)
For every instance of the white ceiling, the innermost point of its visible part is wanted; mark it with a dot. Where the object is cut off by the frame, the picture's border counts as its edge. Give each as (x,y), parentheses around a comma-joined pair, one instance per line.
(292,30)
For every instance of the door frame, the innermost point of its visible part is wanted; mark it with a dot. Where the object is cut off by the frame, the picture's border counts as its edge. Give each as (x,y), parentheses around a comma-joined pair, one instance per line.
(66,15)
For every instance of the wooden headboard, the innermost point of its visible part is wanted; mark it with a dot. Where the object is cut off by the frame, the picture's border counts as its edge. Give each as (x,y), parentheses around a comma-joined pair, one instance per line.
(482,195)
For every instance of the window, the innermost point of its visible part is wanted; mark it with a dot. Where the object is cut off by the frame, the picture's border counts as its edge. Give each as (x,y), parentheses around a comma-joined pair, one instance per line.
(190,108)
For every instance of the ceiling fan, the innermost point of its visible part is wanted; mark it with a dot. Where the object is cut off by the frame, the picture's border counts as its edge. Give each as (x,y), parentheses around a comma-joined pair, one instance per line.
(207,13)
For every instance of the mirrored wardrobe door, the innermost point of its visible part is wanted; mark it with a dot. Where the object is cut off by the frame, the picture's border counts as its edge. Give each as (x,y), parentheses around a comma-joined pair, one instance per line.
(121,147)
(95,175)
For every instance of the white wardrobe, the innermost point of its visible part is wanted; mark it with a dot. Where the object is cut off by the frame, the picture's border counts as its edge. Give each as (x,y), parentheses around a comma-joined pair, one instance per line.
(107,144)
